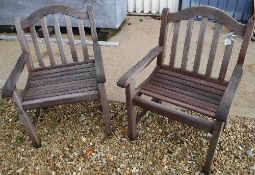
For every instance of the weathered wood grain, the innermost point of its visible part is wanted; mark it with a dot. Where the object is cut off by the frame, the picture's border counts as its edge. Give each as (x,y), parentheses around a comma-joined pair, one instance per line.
(186,48)
(10,83)
(225,61)
(36,45)
(71,38)
(174,43)
(83,40)
(214,46)
(24,44)
(174,115)
(209,12)
(53,9)
(47,41)
(99,63)
(200,44)
(59,38)
(162,36)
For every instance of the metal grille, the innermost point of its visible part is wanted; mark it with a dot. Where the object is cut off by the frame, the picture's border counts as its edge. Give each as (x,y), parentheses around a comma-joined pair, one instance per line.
(152,6)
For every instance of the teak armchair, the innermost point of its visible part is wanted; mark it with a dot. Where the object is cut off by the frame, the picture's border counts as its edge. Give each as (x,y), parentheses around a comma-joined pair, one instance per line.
(188,89)
(75,80)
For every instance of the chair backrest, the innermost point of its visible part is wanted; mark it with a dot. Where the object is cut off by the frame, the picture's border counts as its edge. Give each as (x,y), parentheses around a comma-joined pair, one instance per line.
(52,14)
(207,14)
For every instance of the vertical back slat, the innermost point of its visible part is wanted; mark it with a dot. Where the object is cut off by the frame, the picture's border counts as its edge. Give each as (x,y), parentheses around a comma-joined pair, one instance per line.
(174,43)
(187,43)
(92,24)
(215,41)
(225,61)
(83,40)
(47,41)
(246,41)
(71,38)
(36,45)
(59,38)
(200,44)
(24,44)
(162,36)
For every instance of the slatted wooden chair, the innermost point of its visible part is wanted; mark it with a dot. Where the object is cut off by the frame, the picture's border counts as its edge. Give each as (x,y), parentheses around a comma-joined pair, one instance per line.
(190,89)
(76,80)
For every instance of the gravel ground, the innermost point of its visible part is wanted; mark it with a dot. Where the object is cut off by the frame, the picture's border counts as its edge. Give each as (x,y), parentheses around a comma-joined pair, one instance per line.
(73,142)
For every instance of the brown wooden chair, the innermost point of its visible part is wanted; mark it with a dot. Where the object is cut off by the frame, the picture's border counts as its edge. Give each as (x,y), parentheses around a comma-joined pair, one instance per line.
(196,91)
(75,80)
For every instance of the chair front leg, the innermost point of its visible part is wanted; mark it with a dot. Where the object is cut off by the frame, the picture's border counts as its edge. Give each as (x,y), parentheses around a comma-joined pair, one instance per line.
(105,108)
(212,147)
(27,122)
(131,111)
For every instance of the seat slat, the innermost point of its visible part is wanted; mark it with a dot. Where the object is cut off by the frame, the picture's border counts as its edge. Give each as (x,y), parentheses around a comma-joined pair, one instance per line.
(176,102)
(190,84)
(182,98)
(64,73)
(195,75)
(62,99)
(54,80)
(71,89)
(59,38)
(61,85)
(187,43)
(47,41)
(192,79)
(71,38)
(187,88)
(63,69)
(185,92)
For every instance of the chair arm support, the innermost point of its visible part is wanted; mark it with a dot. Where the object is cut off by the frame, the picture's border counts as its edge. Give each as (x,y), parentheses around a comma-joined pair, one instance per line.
(10,83)
(99,63)
(225,104)
(127,78)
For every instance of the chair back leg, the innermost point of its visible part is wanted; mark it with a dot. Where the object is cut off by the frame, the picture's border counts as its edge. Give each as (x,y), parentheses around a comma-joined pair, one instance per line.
(105,108)
(131,111)
(27,122)
(212,147)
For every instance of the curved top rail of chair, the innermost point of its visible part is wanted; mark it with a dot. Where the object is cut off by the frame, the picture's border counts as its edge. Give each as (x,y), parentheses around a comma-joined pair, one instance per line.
(51,9)
(210,12)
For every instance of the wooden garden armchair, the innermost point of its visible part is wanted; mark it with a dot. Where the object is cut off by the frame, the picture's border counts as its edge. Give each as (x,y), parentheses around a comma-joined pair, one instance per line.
(75,80)
(188,89)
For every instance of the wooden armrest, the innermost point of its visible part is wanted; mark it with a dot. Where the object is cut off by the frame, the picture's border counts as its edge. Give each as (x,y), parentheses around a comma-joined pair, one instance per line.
(225,104)
(127,78)
(10,83)
(99,63)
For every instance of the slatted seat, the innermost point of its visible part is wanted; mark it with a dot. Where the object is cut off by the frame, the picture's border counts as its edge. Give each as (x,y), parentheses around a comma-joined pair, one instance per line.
(53,85)
(186,91)
(194,89)
(56,80)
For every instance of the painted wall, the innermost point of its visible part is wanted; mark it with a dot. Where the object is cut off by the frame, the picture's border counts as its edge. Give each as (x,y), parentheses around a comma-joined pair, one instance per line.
(108,13)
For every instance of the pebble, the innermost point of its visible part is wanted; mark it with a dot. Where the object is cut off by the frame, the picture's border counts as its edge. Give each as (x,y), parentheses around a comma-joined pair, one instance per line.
(19,171)
(250,153)
(162,146)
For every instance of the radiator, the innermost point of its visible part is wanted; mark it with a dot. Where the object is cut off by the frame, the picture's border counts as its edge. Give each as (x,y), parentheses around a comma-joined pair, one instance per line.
(152,6)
